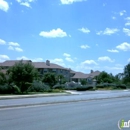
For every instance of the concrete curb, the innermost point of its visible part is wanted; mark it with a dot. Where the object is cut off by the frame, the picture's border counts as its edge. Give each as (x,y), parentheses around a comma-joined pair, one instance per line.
(33,96)
(60,102)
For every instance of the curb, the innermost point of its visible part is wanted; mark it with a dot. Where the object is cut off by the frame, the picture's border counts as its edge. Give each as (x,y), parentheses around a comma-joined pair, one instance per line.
(33,96)
(60,102)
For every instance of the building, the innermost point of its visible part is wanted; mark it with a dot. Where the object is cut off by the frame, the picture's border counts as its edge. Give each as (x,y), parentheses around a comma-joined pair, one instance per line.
(88,77)
(44,67)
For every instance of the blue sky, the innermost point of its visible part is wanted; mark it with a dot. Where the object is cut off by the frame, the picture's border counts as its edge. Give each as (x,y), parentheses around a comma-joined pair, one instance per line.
(77,34)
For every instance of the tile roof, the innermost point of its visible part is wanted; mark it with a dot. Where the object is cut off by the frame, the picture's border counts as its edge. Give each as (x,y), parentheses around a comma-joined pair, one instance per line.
(80,75)
(51,66)
(84,76)
(36,64)
(96,73)
(12,62)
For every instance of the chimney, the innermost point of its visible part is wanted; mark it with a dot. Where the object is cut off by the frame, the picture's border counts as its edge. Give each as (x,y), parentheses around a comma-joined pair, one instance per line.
(48,62)
(91,71)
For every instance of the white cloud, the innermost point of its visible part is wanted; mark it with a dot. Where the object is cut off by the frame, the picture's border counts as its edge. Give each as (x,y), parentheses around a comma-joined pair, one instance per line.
(128,18)
(89,62)
(124,46)
(26,58)
(25,2)
(126,31)
(105,58)
(69,59)
(67,55)
(3,58)
(22,58)
(113,17)
(99,33)
(84,46)
(128,21)
(53,33)
(127,24)
(18,49)
(15,48)
(84,30)
(13,44)
(129,60)
(11,48)
(4,5)
(58,61)
(115,51)
(37,59)
(108,31)
(114,68)
(70,1)
(104,4)
(122,12)
(2,42)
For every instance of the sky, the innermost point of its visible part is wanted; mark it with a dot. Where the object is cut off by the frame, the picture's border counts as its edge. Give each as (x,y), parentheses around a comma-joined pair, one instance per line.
(77,34)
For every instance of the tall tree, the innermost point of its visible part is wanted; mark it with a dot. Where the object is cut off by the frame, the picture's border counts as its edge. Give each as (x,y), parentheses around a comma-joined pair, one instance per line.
(21,74)
(126,78)
(50,79)
(3,79)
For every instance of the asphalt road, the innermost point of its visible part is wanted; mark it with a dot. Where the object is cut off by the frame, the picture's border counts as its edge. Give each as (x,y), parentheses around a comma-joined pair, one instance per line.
(55,99)
(84,115)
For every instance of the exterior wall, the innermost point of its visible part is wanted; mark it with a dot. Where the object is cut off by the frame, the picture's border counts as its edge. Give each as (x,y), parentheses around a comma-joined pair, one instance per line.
(65,73)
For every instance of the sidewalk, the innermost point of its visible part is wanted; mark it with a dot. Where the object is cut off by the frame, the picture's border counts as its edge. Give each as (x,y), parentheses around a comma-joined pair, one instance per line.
(33,95)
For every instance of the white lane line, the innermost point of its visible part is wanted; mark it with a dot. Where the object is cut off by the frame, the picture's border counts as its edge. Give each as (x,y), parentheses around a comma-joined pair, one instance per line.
(110,104)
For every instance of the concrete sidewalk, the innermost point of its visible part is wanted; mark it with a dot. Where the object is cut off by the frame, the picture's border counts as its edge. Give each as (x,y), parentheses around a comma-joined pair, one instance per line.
(33,95)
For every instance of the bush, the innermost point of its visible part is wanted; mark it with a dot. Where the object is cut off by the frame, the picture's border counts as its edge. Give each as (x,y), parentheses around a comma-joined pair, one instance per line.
(121,86)
(38,86)
(59,86)
(16,89)
(84,88)
(71,86)
(112,86)
(83,81)
(100,86)
(6,89)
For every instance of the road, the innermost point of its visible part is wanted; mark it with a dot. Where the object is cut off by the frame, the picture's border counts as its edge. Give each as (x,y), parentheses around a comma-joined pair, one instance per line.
(91,95)
(84,115)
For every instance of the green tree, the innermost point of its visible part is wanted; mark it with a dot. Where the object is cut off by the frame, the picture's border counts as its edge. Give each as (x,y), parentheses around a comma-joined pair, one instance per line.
(22,74)
(50,79)
(105,77)
(3,79)
(83,81)
(61,79)
(119,77)
(126,77)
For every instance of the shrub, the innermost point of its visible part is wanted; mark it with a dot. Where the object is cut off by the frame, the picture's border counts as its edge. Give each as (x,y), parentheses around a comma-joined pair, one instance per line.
(121,86)
(84,88)
(83,81)
(59,86)
(71,86)
(100,86)
(6,89)
(50,79)
(38,86)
